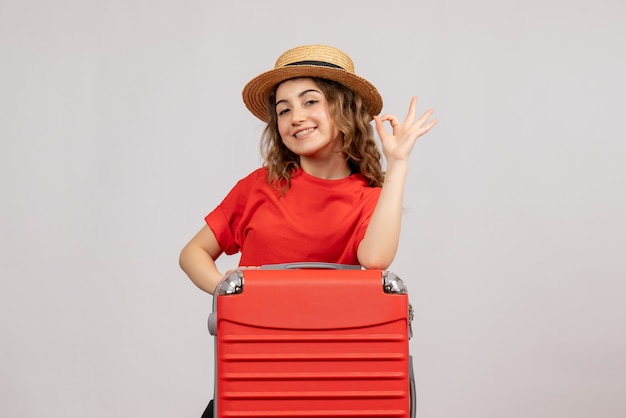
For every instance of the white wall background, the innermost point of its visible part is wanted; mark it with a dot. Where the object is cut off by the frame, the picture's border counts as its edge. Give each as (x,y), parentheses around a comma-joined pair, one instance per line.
(122,125)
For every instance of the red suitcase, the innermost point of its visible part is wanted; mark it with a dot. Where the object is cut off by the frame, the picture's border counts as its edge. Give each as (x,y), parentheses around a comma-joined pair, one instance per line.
(312,340)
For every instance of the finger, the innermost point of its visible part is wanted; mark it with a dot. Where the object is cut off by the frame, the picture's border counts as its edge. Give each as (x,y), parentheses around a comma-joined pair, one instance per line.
(410,116)
(431,124)
(392,119)
(380,127)
(387,117)
(424,117)
(427,127)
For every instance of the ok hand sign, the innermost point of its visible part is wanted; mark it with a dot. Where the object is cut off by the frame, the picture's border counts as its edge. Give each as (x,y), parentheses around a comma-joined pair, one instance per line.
(398,144)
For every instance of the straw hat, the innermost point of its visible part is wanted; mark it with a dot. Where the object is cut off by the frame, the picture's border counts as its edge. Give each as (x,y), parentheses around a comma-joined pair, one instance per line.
(319,61)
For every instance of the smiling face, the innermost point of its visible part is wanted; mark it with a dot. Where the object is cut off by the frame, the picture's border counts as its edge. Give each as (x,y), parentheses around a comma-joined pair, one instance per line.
(304,122)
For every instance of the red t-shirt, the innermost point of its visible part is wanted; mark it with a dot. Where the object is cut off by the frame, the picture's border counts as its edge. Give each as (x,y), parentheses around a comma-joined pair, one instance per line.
(316,220)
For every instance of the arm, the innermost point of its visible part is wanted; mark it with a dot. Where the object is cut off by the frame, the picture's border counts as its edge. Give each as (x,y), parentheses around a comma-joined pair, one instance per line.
(197,259)
(380,243)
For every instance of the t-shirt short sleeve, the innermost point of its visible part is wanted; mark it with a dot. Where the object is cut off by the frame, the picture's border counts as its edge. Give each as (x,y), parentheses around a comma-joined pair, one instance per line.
(220,227)
(225,220)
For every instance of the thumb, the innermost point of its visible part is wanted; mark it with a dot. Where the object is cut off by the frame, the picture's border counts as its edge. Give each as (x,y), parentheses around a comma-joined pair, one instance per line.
(380,128)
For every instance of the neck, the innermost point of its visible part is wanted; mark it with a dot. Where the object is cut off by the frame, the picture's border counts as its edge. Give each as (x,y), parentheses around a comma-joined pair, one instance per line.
(334,169)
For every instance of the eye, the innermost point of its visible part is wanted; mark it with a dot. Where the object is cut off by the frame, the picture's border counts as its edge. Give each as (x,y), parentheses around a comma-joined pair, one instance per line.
(282,111)
(311,102)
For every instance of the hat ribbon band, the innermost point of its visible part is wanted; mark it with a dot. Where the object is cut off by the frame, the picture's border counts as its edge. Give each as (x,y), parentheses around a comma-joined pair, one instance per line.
(315,63)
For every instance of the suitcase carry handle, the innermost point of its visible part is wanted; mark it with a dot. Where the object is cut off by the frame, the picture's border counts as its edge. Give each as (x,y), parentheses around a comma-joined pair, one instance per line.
(310,265)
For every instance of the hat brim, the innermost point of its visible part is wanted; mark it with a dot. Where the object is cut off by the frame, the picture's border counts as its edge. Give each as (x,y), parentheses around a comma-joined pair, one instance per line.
(255,93)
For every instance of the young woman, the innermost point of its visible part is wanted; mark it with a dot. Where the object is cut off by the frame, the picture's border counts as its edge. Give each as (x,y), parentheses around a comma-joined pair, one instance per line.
(321,195)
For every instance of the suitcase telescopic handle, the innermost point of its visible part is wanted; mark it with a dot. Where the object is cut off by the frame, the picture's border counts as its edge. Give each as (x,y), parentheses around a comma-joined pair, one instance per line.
(311,265)
(412,391)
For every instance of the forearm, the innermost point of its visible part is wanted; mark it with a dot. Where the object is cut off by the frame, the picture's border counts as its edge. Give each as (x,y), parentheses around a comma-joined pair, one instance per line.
(380,243)
(200,267)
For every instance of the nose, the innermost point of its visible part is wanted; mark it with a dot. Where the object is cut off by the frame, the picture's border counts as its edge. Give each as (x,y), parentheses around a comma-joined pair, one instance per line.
(297,116)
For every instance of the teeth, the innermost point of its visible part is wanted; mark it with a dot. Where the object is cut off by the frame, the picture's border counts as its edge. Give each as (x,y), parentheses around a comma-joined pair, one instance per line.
(307,131)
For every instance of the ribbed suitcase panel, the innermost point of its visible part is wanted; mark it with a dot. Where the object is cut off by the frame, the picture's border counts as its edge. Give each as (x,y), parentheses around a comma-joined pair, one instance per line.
(315,413)
(290,372)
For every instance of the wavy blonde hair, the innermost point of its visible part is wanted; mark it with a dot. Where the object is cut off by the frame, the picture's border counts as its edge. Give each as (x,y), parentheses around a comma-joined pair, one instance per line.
(349,114)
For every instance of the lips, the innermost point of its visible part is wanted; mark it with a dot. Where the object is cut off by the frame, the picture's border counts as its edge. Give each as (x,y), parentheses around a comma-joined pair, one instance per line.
(303,132)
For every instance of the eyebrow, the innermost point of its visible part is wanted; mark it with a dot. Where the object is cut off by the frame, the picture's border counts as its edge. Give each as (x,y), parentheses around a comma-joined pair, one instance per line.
(300,95)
